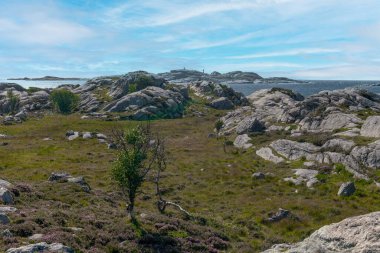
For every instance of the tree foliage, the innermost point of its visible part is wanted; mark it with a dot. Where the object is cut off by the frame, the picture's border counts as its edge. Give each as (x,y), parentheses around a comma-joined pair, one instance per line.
(64,101)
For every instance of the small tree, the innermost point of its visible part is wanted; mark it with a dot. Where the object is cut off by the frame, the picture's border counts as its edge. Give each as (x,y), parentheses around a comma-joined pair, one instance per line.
(218,126)
(14,102)
(64,101)
(136,157)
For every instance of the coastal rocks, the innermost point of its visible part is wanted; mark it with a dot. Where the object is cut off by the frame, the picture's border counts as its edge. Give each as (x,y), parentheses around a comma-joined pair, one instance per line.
(293,150)
(4,219)
(6,196)
(347,189)
(151,102)
(368,155)
(354,234)
(182,76)
(249,125)
(65,177)
(222,103)
(304,176)
(138,79)
(371,127)
(42,247)
(338,145)
(267,154)
(221,96)
(329,123)
(242,141)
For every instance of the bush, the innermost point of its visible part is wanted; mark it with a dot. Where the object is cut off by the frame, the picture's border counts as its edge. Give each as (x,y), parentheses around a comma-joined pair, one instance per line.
(14,102)
(132,88)
(64,101)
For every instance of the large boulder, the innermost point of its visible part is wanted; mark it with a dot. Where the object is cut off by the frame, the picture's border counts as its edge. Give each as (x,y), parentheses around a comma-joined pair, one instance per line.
(250,125)
(355,234)
(242,141)
(347,189)
(222,103)
(330,122)
(42,247)
(293,150)
(151,102)
(6,196)
(371,127)
(267,154)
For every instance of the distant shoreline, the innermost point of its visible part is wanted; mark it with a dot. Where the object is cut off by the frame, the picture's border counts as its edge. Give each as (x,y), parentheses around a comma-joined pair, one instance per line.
(47,78)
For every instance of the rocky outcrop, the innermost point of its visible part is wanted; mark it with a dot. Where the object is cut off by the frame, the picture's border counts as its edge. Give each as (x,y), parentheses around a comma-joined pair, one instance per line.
(42,247)
(65,177)
(355,234)
(306,176)
(242,141)
(356,162)
(222,103)
(219,96)
(150,103)
(371,127)
(267,154)
(326,111)
(6,196)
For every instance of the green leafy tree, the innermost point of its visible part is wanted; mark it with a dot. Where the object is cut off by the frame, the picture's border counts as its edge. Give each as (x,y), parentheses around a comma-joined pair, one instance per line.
(64,101)
(14,102)
(134,161)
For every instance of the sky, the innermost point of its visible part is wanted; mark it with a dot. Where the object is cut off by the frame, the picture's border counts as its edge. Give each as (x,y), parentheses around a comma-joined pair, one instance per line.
(302,39)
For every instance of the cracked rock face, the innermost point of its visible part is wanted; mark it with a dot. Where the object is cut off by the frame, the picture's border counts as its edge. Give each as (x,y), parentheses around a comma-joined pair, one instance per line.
(267,154)
(355,234)
(371,127)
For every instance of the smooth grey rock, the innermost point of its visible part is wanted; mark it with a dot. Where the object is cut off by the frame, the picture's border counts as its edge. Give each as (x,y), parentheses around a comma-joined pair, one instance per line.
(65,177)
(349,133)
(35,237)
(6,196)
(4,219)
(249,125)
(354,234)
(347,189)
(73,136)
(222,103)
(267,154)
(7,209)
(339,144)
(42,247)
(304,176)
(371,127)
(87,135)
(293,150)
(258,175)
(330,122)
(5,184)
(242,141)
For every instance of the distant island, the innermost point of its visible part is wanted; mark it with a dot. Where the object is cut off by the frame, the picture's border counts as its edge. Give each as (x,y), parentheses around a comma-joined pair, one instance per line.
(47,78)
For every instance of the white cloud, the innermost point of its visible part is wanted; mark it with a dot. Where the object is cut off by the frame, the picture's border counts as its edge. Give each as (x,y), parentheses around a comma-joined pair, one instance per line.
(176,13)
(344,72)
(208,44)
(300,51)
(47,31)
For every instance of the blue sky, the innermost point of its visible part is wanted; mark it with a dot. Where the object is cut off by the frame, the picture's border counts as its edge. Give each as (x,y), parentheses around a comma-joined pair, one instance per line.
(305,39)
